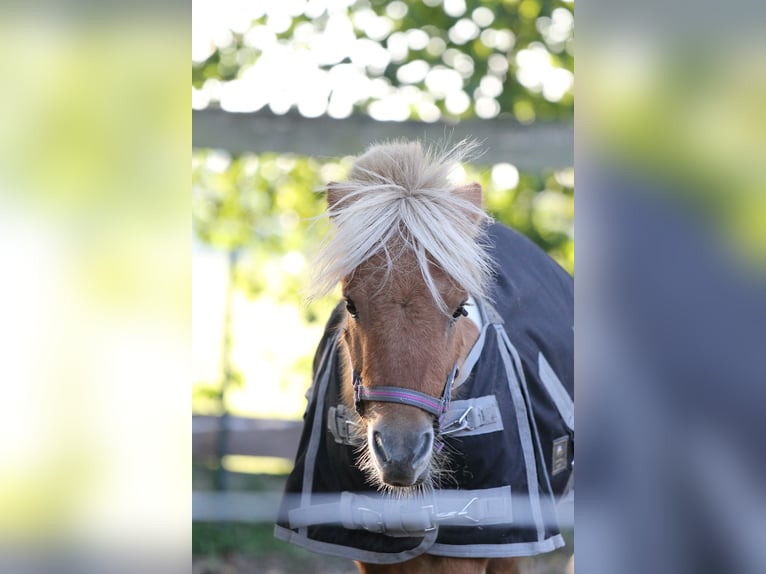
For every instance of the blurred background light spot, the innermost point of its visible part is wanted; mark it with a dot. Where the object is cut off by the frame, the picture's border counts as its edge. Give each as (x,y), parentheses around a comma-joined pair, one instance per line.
(533,63)
(218,161)
(552,213)
(491,86)
(413,72)
(366,53)
(529,9)
(557,82)
(524,111)
(417,39)
(396,10)
(292,7)
(428,111)
(461,62)
(436,46)
(454,8)
(565,177)
(458,174)
(398,46)
(336,43)
(293,262)
(442,81)
(486,108)
(315,8)
(339,107)
(378,28)
(557,29)
(313,105)
(332,171)
(260,37)
(483,16)
(200,98)
(505,176)
(497,64)
(394,108)
(457,102)
(504,40)
(279,22)
(463,31)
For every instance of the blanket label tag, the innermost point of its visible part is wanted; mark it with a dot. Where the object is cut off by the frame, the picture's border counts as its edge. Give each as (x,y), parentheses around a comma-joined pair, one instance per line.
(560,457)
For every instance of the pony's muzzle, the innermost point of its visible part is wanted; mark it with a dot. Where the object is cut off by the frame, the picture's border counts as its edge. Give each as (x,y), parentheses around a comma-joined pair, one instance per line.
(402,456)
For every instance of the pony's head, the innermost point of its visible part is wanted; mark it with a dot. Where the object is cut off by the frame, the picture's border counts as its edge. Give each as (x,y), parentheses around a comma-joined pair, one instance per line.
(407,251)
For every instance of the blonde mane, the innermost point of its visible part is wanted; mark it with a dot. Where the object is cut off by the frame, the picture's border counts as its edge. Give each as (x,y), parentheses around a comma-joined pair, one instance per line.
(399,194)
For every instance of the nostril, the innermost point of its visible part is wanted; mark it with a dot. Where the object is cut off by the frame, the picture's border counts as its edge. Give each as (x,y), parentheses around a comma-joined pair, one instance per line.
(423,449)
(380,450)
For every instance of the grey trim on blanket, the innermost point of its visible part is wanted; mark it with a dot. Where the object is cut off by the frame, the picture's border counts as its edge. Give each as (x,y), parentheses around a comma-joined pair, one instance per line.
(473,355)
(355,553)
(323,376)
(427,546)
(556,390)
(498,550)
(525,431)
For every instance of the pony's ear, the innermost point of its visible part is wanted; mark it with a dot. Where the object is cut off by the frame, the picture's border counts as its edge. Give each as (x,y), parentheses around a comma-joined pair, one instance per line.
(335,193)
(471,192)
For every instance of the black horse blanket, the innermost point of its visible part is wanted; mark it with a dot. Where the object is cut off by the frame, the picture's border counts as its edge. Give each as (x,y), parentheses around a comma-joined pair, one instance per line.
(509,435)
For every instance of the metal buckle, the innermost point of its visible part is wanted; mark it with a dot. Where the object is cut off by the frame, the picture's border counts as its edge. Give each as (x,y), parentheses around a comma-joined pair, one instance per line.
(460,423)
(358,403)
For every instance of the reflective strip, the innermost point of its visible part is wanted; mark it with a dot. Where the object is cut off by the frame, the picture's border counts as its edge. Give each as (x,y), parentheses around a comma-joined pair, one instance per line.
(497,550)
(473,356)
(525,432)
(474,314)
(556,391)
(323,375)
(532,419)
(410,517)
(352,552)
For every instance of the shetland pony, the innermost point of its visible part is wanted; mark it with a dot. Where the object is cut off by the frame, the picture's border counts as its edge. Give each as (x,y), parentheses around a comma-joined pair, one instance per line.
(404,400)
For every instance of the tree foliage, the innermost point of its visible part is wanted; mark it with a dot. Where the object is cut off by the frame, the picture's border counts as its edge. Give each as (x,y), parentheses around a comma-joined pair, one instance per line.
(518,54)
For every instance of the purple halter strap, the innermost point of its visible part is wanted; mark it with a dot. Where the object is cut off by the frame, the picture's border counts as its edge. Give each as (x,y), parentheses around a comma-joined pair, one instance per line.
(432,405)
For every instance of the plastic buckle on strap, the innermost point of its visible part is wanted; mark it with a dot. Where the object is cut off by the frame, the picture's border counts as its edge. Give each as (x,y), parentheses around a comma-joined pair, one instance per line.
(371,520)
(466,511)
(339,422)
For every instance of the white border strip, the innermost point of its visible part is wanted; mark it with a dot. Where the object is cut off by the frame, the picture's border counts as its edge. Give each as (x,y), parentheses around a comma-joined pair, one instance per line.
(556,390)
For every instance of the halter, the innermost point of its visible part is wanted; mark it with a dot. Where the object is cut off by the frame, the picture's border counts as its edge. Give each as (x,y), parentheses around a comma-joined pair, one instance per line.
(432,405)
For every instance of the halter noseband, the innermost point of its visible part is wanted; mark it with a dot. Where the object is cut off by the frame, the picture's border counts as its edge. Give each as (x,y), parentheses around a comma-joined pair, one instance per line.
(432,405)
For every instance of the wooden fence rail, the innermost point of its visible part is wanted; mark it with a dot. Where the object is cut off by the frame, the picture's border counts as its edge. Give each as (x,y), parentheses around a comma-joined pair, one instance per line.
(244,436)
(530,148)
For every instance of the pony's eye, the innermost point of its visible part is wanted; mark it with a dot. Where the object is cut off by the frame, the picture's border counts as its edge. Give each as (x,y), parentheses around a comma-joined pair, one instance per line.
(460,311)
(351,308)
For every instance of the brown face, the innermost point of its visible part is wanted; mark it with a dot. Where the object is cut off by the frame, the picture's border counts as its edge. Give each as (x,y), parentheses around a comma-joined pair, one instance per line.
(396,335)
